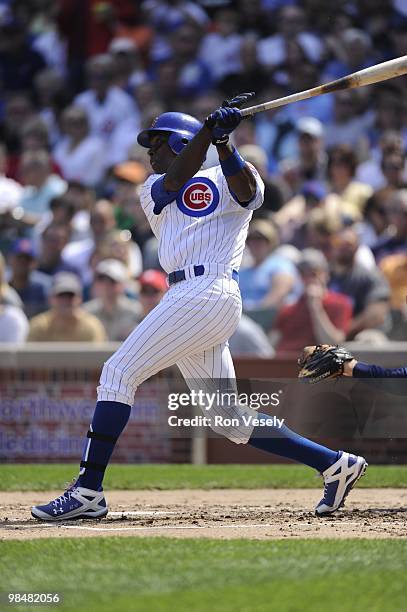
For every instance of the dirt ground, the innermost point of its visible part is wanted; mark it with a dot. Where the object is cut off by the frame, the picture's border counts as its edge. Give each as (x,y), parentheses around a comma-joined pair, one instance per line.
(257,514)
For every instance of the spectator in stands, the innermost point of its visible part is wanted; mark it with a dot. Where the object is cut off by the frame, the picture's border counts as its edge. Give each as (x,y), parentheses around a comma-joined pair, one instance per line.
(31,285)
(66,321)
(52,95)
(106,105)
(397,214)
(312,158)
(166,16)
(370,171)
(128,212)
(375,224)
(166,76)
(319,316)
(250,340)
(223,43)
(128,71)
(249,75)
(51,260)
(19,62)
(291,25)
(354,52)
(349,124)
(8,295)
(153,285)
(271,280)
(393,169)
(40,185)
(367,288)
(322,226)
(388,111)
(61,212)
(34,136)
(341,173)
(118,314)
(319,107)
(394,268)
(18,110)
(83,199)
(13,324)
(273,193)
(48,41)
(276,134)
(294,217)
(80,155)
(106,242)
(102,223)
(10,190)
(194,77)
(119,245)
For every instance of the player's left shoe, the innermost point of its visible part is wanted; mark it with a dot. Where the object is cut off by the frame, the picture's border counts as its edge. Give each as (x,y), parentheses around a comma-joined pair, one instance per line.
(75,503)
(339,480)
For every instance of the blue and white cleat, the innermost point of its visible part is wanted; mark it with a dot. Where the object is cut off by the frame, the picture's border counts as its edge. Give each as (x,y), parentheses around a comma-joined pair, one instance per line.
(75,503)
(339,479)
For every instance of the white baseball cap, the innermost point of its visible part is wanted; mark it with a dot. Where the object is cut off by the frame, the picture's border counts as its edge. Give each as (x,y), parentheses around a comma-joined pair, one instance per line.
(122,45)
(311,126)
(114,269)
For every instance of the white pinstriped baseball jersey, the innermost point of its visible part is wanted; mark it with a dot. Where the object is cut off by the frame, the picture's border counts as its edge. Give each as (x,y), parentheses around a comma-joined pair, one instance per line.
(204,224)
(191,325)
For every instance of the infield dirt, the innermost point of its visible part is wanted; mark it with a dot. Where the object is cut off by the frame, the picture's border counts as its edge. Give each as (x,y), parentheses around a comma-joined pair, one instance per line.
(255,514)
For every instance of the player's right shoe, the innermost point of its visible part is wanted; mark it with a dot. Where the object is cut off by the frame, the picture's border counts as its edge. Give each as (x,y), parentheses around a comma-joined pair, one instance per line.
(339,480)
(75,503)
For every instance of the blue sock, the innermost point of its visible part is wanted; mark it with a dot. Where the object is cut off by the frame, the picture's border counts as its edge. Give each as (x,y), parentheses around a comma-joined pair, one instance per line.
(286,443)
(109,420)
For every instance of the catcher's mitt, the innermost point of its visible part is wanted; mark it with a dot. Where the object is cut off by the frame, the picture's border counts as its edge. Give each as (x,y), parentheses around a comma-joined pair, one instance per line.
(322,362)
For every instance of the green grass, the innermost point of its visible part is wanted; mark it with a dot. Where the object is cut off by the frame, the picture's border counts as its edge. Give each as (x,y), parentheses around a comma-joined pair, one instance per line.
(43,477)
(159,574)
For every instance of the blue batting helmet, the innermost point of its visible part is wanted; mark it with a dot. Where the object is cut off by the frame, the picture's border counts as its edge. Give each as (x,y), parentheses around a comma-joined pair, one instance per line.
(181,128)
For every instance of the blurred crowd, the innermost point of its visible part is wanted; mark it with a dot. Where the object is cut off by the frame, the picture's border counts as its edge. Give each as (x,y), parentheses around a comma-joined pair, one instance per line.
(326,256)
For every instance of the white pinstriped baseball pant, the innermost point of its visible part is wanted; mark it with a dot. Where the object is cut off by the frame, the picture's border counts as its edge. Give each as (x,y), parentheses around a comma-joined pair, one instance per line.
(190,327)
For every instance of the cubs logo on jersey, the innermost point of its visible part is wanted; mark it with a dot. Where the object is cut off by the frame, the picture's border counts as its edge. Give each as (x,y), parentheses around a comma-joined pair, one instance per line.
(199,197)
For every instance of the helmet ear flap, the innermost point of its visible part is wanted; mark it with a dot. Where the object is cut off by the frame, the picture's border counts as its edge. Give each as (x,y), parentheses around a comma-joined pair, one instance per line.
(176,142)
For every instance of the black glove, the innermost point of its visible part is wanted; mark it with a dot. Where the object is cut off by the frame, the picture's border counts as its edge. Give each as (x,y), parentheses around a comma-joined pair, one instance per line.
(321,362)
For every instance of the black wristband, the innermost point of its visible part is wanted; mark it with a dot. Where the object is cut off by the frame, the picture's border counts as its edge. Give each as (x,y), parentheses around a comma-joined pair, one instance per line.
(221,141)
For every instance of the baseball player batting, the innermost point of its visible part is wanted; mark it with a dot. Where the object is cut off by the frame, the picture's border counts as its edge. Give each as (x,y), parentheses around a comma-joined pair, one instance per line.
(200,218)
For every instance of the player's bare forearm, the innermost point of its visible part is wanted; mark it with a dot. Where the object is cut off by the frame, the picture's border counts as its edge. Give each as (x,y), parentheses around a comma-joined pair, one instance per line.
(242,184)
(189,161)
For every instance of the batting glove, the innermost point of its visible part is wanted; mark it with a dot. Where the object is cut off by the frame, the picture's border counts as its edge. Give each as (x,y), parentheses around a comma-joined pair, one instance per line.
(222,122)
(238,101)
